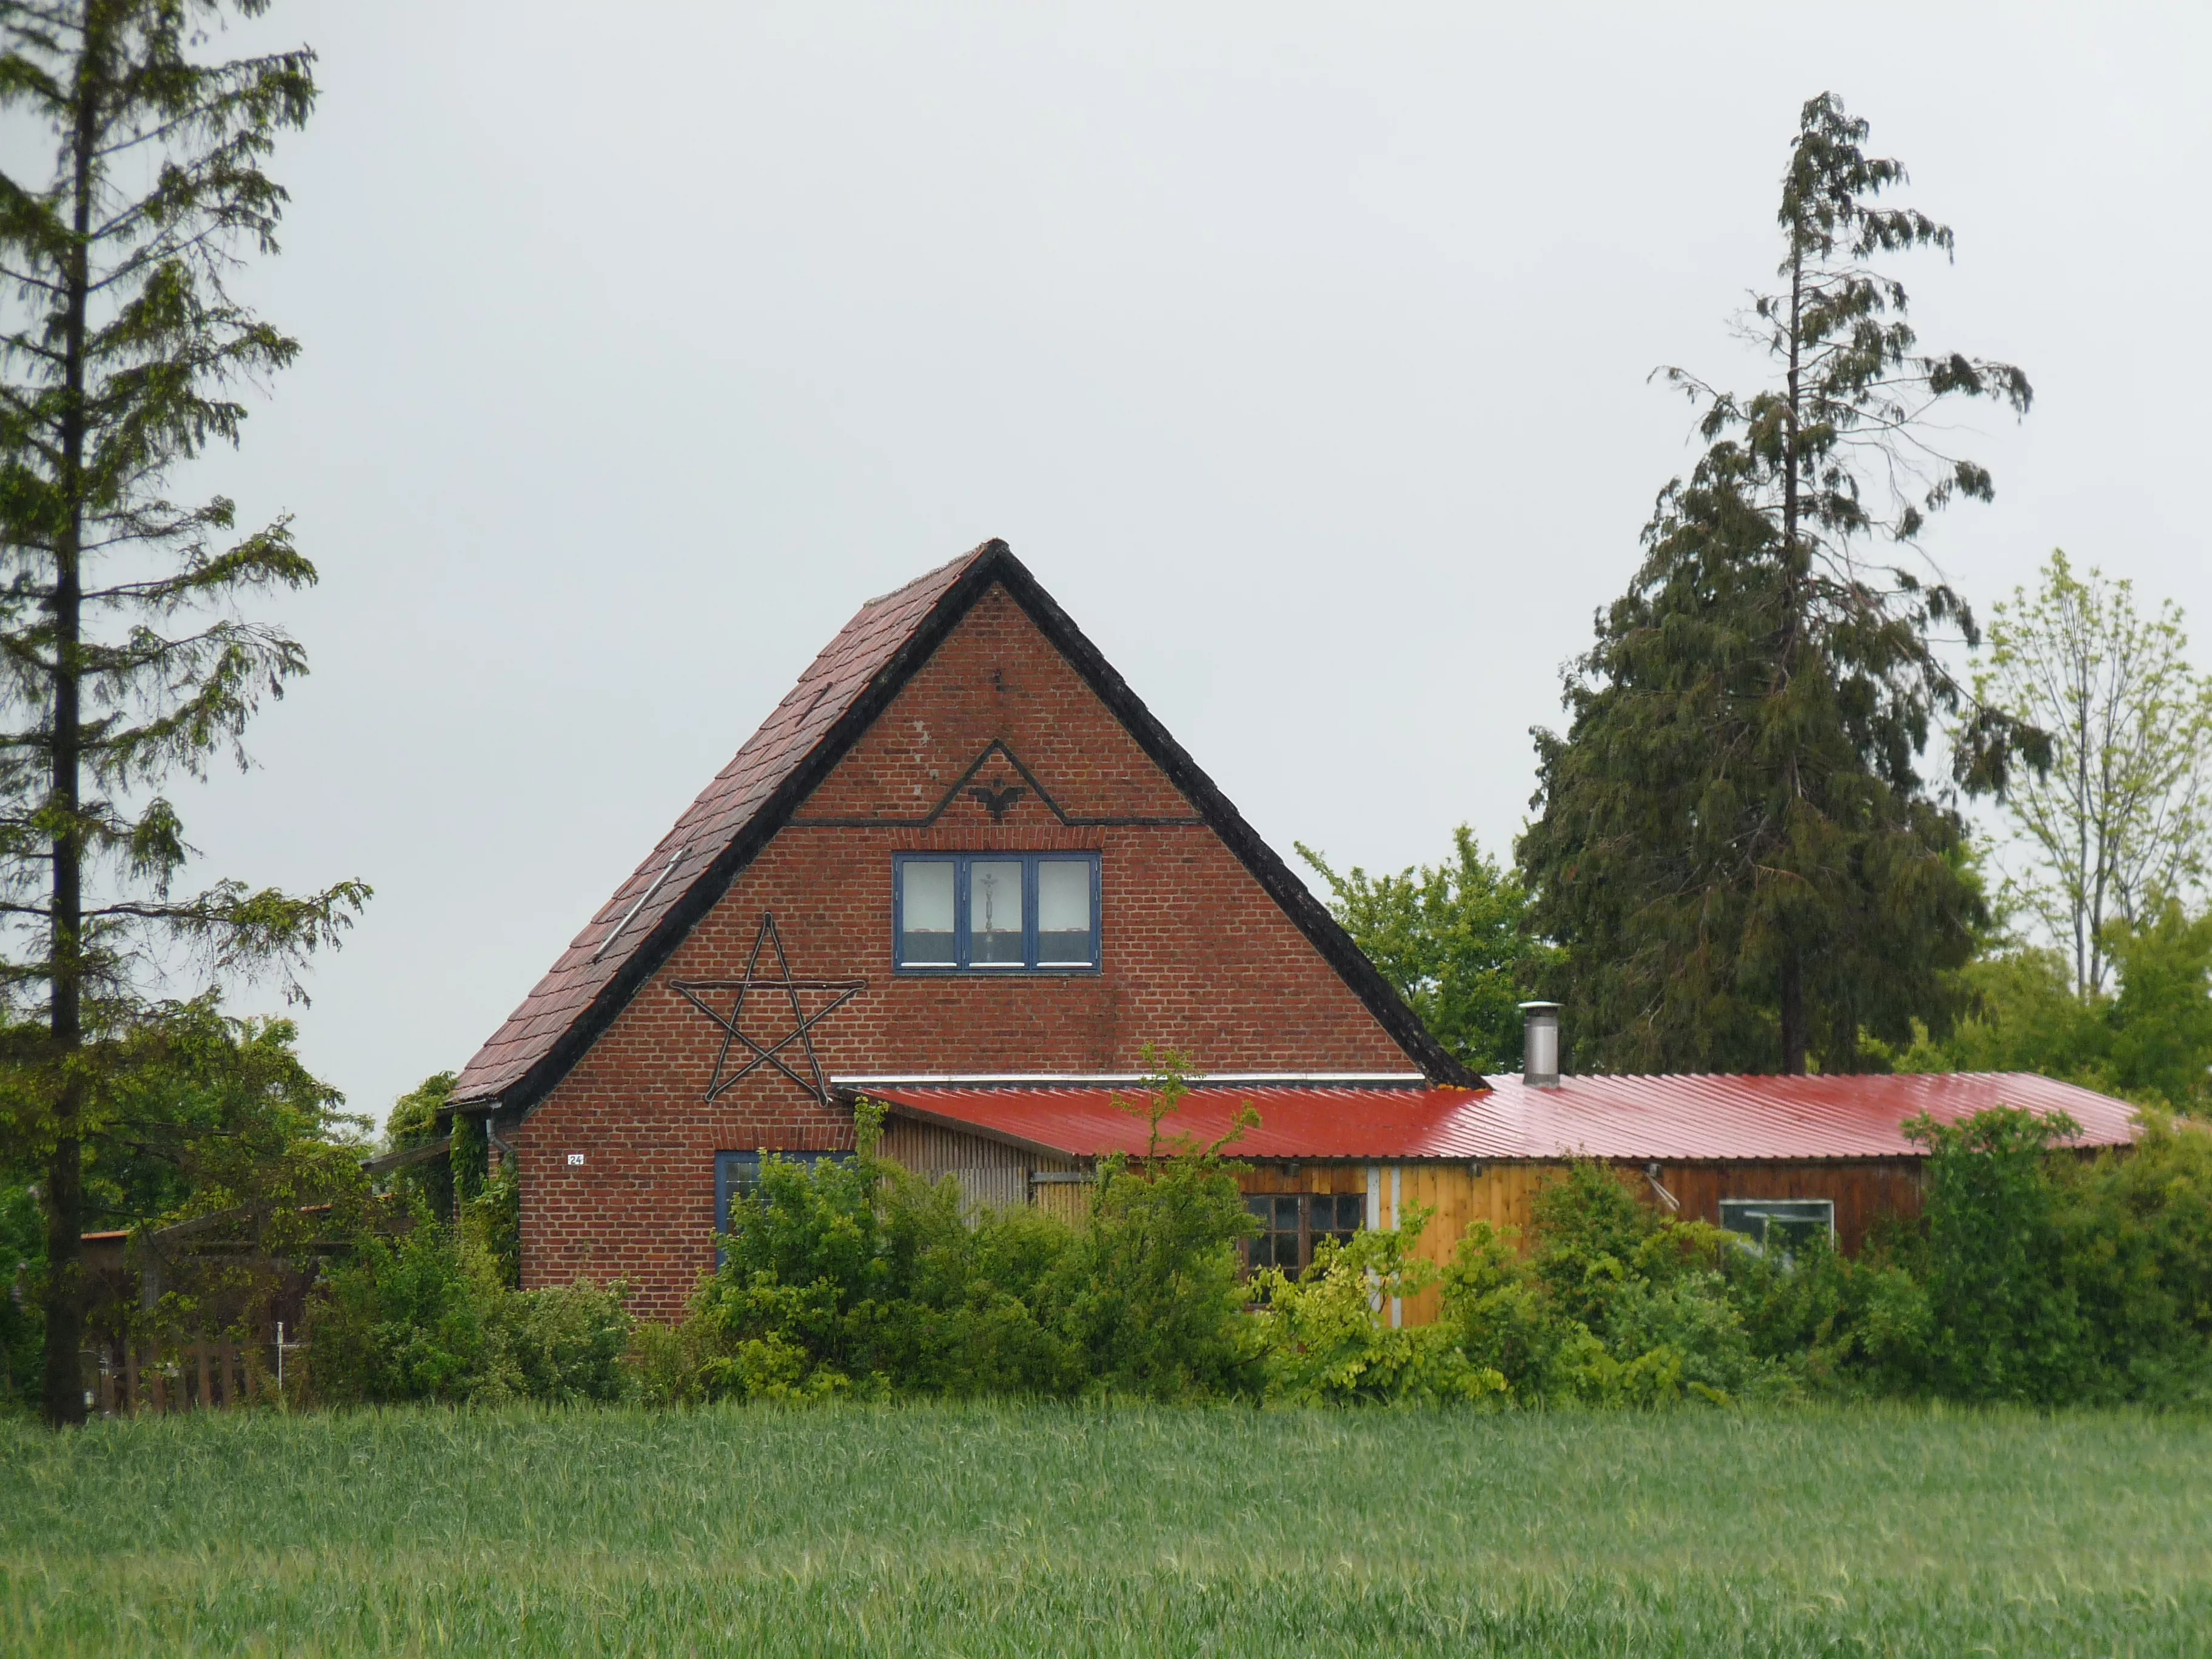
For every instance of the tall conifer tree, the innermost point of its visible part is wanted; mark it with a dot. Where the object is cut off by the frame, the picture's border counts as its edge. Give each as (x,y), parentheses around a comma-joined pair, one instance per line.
(1734,839)
(125,659)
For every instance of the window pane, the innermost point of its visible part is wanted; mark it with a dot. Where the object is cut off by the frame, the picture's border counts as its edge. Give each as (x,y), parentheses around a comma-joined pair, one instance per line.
(1785,1222)
(737,1174)
(1260,1251)
(1064,912)
(994,912)
(925,912)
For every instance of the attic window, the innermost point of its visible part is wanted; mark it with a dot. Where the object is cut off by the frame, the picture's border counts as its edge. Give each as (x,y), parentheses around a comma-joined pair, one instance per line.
(995,913)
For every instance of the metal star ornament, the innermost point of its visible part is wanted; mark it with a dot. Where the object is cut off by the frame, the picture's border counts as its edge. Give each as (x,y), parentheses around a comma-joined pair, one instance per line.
(703,993)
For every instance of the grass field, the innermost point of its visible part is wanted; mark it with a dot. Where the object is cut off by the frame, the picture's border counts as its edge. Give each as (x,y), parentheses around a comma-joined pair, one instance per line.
(1017,1530)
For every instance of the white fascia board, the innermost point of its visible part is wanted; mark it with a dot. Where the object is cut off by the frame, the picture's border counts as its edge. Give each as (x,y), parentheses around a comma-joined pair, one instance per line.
(1128,1079)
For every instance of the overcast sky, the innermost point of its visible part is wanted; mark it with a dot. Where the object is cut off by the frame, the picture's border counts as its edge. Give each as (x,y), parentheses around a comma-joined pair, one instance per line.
(1301,351)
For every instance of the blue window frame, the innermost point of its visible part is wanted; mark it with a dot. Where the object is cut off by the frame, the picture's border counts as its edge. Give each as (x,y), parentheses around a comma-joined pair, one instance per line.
(995,913)
(737,1173)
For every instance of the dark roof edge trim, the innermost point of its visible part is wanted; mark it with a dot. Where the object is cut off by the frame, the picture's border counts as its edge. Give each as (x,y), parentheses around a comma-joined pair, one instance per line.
(1307,913)
(995,563)
(707,888)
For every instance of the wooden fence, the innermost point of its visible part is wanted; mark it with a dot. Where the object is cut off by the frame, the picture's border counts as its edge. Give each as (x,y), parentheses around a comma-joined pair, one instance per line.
(201,1374)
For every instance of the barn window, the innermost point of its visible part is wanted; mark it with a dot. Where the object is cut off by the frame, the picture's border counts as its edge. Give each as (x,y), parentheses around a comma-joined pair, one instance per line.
(1785,1223)
(1293,1226)
(995,913)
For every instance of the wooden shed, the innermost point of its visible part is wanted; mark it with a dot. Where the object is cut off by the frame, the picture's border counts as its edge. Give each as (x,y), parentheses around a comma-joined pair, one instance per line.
(1334,1151)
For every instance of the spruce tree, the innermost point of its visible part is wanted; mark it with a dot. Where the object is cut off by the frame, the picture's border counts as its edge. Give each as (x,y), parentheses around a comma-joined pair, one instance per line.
(128,659)
(1733,840)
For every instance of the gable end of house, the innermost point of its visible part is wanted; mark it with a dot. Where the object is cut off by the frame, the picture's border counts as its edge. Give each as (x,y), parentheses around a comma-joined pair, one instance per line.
(992,564)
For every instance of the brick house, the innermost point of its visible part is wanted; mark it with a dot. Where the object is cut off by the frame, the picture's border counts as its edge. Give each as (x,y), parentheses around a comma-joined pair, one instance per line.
(959,772)
(962,868)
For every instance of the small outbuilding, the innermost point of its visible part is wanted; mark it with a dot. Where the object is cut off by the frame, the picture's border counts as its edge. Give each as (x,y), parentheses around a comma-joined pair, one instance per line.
(1760,1156)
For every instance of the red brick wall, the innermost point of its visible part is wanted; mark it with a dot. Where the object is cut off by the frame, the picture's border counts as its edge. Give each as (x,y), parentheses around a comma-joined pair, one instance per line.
(1195,955)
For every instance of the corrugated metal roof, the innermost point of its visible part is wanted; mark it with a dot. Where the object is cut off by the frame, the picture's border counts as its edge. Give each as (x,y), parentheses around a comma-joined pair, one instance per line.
(1296,1121)
(1670,1119)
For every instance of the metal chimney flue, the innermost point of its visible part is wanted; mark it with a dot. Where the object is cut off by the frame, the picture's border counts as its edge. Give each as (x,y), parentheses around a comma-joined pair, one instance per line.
(1539,1066)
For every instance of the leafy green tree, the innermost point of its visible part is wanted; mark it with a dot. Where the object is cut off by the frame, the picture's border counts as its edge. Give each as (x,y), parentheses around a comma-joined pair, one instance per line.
(414,1122)
(2018,1013)
(2161,1020)
(22,1264)
(127,657)
(1734,842)
(202,1108)
(2151,1042)
(2122,819)
(1453,939)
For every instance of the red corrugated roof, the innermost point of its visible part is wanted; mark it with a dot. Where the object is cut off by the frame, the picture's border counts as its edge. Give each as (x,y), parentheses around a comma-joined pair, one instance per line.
(1670,1119)
(1296,1121)
(722,811)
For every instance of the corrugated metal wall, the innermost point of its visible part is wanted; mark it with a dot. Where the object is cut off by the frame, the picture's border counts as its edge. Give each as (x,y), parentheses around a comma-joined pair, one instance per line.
(990,1172)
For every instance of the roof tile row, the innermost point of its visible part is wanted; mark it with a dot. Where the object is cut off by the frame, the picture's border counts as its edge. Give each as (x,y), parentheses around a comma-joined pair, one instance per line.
(722,812)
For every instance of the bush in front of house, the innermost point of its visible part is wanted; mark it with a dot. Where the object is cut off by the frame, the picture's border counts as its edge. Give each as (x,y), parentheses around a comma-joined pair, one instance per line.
(2034,1276)
(2135,1247)
(426,1316)
(854,1277)
(1615,1305)
(1326,1342)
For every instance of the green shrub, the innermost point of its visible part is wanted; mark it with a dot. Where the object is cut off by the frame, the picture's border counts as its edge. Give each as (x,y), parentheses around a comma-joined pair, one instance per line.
(2007,1324)
(424,1317)
(1325,1339)
(1647,1312)
(2134,1241)
(854,1275)
(1150,1292)
(1497,1312)
(2034,1275)
(561,1345)
(1858,1328)
(401,1320)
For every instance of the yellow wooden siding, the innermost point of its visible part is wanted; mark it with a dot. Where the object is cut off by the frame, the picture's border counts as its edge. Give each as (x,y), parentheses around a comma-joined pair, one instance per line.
(1459,1194)
(1504,1195)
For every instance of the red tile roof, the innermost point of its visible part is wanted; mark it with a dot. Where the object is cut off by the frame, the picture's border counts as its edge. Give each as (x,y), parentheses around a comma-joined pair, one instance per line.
(837,698)
(1670,1119)
(599,956)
